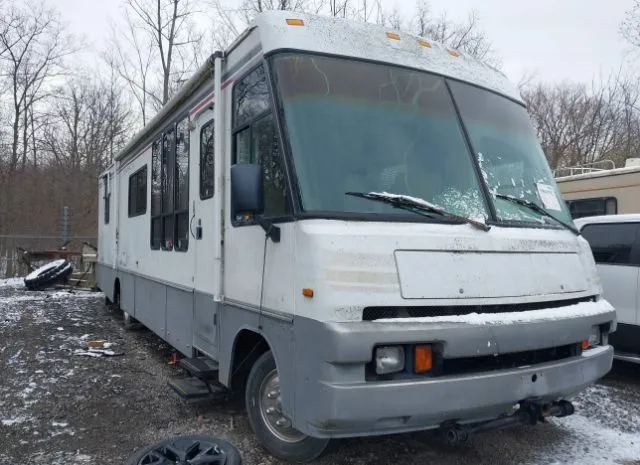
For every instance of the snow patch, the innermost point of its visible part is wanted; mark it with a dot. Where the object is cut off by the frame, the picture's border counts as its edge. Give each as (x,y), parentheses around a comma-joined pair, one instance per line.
(590,443)
(448,198)
(581,309)
(12,282)
(16,420)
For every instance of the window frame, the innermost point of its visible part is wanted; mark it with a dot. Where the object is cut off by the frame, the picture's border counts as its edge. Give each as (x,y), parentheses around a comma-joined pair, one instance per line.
(182,211)
(206,125)
(634,253)
(172,212)
(274,109)
(133,191)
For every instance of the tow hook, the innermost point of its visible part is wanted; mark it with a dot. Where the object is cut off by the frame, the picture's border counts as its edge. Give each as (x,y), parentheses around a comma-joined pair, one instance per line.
(528,413)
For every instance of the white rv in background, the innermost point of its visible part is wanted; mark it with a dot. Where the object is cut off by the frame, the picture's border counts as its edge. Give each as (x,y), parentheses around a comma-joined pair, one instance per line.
(358,227)
(591,191)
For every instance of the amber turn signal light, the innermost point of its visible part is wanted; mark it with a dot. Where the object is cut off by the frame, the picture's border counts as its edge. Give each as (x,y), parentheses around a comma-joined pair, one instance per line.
(585,344)
(423,359)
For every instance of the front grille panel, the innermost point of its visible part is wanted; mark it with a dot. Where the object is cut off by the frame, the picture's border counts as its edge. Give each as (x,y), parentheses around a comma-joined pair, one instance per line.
(376,313)
(456,366)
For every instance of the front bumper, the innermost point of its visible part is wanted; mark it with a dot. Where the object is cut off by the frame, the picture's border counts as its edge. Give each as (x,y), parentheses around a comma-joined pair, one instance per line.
(400,406)
(333,399)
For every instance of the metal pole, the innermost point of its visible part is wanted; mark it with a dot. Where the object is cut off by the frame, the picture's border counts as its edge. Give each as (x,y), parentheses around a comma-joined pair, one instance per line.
(65,226)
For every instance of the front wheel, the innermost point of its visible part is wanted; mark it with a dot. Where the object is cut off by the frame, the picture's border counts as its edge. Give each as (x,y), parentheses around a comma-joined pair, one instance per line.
(271,427)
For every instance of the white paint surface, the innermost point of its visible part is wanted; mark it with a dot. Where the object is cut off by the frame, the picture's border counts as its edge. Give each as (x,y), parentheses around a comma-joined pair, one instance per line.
(451,274)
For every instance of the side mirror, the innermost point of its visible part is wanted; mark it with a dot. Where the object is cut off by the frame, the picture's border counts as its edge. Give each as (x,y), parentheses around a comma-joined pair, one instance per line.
(247,197)
(246,190)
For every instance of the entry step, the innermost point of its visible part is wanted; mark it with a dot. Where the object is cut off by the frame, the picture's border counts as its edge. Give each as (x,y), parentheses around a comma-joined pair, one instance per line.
(200,367)
(627,357)
(196,389)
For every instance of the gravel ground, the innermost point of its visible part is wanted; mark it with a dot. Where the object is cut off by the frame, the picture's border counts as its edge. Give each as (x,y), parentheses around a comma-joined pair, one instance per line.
(57,407)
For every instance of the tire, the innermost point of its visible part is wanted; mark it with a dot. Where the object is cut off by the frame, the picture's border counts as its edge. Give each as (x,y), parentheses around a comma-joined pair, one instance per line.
(49,274)
(208,450)
(297,447)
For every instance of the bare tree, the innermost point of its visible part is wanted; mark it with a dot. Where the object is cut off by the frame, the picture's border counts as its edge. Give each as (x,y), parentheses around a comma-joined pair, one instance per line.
(577,124)
(131,57)
(168,24)
(33,44)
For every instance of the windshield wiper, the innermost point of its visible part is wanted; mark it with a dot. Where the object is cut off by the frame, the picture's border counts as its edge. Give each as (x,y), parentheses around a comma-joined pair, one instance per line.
(538,209)
(416,205)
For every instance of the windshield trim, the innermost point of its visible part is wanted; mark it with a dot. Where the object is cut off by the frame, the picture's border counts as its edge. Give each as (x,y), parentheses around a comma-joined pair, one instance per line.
(294,188)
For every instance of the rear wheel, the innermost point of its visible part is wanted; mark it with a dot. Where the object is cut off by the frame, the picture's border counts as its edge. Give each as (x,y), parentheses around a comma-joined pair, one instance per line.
(272,428)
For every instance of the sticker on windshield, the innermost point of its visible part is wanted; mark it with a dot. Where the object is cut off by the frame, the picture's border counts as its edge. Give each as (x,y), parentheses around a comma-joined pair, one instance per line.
(548,197)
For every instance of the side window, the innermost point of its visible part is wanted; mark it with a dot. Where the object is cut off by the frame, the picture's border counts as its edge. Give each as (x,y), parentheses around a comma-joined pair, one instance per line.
(593,207)
(256,139)
(612,243)
(156,196)
(138,192)
(166,174)
(106,197)
(181,201)
(206,161)
(251,97)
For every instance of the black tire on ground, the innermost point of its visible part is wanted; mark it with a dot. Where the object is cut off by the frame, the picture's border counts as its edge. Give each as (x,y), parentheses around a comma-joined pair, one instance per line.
(301,450)
(48,275)
(205,450)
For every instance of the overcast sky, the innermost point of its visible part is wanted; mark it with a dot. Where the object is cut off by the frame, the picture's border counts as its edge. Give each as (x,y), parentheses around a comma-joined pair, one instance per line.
(555,39)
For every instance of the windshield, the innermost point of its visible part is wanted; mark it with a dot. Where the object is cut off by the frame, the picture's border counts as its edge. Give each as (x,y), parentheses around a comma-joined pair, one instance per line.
(362,127)
(509,154)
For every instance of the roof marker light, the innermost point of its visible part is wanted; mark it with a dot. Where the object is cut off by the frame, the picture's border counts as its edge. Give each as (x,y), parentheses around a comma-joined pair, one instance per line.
(453,53)
(295,22)
(393,35)
(424,43)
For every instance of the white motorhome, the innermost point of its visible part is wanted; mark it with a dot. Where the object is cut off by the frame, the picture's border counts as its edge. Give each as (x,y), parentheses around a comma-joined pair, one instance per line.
(358,227)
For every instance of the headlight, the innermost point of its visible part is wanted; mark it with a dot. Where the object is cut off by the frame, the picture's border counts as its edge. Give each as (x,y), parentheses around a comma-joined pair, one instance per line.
(389,359)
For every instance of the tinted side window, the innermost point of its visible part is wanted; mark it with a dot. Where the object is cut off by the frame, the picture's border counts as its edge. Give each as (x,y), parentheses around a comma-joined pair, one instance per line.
(138,192)
(206,161)
(181,201)
(251,97)
(106,197)
(612,243)
(593,207)
(156,195)
(167,172)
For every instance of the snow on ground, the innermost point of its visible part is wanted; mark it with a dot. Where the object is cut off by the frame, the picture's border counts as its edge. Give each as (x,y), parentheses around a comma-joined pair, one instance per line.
(605,429)
(12,282)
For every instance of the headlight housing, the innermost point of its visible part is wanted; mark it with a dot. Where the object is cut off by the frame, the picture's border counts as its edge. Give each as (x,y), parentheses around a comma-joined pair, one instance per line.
(389,359)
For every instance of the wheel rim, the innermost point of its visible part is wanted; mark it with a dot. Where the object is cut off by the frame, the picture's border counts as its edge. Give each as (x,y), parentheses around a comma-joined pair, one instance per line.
(271,410)
(185,452)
